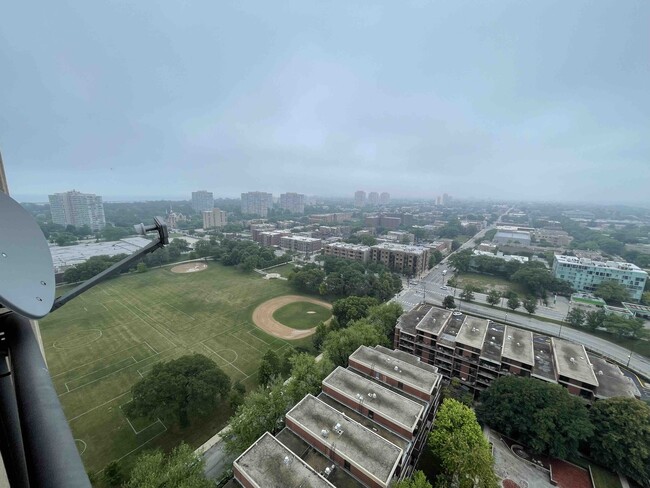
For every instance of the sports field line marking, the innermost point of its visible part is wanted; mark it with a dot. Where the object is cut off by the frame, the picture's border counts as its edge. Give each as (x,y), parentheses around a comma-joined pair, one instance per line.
(93,372)
(249,345)
(85,446)
(192,318)
(104,306)
(136,432)
(59,348)
(221,357)
(99,406)
(161,334)
(95,360)
(141,445)
(147,344)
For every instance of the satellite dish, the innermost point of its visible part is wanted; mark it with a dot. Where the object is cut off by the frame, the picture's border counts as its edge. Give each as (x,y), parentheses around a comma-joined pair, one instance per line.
(26,270)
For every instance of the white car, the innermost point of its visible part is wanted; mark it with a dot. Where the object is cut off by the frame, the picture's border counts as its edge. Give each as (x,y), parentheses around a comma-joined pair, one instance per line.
(457,313)
(443,287)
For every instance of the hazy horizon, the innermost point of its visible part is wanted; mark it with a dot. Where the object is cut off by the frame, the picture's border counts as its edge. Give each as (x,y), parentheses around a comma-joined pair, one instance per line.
(508,100)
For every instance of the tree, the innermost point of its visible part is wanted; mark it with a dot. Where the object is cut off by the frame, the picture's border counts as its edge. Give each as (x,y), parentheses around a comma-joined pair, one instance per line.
(141,268)
(612,291)
(576,317)
(620,438)
(263,410)
(455,245)
(352,308)
(493,297)
(320,335)
(448,302)
(341,343)
(269,368)
(458,442)
(307,374)
(417,480)
(182,468)
(461,260)
(530,304)
(236,396)
(513,302)
(177,389)
(624,326)
(468,293)
(543,416)
(113,474)
(457,391)
(385,316)
(595,319)
(435,258)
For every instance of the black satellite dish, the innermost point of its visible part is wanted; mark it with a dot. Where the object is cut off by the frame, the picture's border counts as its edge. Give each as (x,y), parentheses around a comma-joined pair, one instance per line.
(26,270)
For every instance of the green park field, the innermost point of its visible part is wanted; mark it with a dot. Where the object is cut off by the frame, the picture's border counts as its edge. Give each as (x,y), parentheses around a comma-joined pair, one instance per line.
(302,315)
(101,343)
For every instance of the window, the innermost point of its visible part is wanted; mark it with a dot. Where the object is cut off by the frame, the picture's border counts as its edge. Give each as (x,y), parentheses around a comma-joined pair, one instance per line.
(346,465)
(371,414)
(400,385)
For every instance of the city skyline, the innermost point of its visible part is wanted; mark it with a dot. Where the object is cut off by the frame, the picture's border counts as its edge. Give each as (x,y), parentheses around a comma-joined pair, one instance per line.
(476,100)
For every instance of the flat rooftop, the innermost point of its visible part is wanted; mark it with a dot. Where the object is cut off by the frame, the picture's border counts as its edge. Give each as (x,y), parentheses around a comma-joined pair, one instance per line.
(408,358)
(318,462)
(408,321)
(390,246)
(572,361)
(544,367)
(301,238)
(611,380)
(270,464)
(493,342)
(518,345)
(451,329)
(393,367)
(434,321)
(368,451)
(472,332)
(346,245)
(385,402)
(620,265)
(65,256)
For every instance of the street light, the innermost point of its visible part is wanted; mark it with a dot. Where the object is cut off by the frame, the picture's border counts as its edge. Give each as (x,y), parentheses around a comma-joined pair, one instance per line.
(629,357)
(506,318)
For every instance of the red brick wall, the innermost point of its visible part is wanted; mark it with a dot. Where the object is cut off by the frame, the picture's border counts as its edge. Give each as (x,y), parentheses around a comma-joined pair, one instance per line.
(240,477)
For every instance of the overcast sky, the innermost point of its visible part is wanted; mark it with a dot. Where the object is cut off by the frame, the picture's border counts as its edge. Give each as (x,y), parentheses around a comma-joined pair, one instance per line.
(505,99)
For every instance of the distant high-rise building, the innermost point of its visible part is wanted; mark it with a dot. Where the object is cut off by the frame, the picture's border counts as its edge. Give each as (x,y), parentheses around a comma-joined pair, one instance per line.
(373,198)
(384,198)
(256,203)
(3,179)
(438,200)
(446,199)
(202,201)
(214,218)
(293,202)
(360,198)
(78,209)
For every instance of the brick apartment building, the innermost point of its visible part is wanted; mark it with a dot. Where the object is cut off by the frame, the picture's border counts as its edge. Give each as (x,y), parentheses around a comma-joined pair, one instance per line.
(330,218)
(477,351)
(344,250)
(366,428)
(300,243)
(413,260)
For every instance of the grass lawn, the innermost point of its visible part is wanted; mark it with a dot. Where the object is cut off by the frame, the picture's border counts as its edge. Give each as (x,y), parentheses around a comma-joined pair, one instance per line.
(101,343)
(603,478)
(485,283)
(302,315)
(284,270)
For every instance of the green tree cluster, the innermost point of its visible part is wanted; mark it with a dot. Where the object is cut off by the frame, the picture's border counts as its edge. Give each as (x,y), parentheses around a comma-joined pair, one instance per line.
(464,453)
(182,468)
(543,416)
(178,389)
(612,292)
(92,267)
(416,480)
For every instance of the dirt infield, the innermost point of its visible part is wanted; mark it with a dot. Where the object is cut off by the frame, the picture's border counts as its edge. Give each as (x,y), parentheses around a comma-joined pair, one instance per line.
(263,317)
(189,268)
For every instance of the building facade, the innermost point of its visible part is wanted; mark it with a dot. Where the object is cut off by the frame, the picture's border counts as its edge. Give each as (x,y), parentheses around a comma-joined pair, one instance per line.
(586,274)
(367,428)
(344,250)
(202,200)
(516,238)
(256,203)
(384,198)
(214,218)
(78,209)
(360,198)
(330,218)
(477,351)
(293,202)
(373,198)
(301,244)
(401,258)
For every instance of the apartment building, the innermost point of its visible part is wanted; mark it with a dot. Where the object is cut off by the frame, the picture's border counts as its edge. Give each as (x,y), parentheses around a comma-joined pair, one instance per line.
(373,198)
(585,274)
(400,237)
(384,198)
(477,351)
(401,258)
(558,238)
(385,221)
(301,243)
(517,238)
(78,209)
(293,202)
(256,203)
(202,200)
(271,238)
(330,218)
(362,430)
(355,252)
(360,198)
(214,218)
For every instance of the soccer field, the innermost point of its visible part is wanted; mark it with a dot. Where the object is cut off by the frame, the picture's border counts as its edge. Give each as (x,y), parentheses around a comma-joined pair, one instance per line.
(101,343)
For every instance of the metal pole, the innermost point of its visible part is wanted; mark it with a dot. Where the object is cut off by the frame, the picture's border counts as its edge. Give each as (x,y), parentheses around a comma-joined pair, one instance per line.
(50,451)
(629,358)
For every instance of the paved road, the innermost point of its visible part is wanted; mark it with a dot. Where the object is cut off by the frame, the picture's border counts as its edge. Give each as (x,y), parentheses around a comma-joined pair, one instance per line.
(217,460)
(429,288)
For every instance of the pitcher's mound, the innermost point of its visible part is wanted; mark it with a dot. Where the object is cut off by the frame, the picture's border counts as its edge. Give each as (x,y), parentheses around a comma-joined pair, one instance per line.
(189,268)
(263,317)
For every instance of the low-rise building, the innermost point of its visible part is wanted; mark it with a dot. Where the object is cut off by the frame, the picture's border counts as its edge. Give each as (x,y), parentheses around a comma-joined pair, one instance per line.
(300,243)
(515,237)
(271,238)
(585,274)
(401,258)
(555,237)
(344,250)
(400,237)
(477,351)
(330,218)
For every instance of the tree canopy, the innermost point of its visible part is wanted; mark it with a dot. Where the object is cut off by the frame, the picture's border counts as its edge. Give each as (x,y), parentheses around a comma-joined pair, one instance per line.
(181,469)
(352,308)
(269,368)
(177,389)
(543,416)
(338,345)
(612,292)
(417,480)
(621,438)
(464,454)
